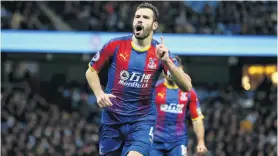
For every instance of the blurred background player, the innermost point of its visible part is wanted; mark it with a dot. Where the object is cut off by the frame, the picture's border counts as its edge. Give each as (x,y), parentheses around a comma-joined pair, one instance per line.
(170,134)
(136,62)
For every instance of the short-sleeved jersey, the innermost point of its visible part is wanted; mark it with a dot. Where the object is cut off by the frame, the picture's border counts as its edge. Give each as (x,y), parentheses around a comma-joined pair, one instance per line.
(132,76)
(172,107)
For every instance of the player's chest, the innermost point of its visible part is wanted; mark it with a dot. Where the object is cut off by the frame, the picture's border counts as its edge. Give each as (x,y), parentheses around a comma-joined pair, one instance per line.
(164,95)
(132,60)
(171,102)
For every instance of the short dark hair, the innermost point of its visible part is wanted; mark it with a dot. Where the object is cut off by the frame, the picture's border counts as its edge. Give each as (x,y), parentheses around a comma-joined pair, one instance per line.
(179,60)
(152,7)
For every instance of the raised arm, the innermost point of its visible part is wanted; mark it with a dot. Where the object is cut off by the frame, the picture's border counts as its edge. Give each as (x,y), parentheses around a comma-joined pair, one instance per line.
(169,63)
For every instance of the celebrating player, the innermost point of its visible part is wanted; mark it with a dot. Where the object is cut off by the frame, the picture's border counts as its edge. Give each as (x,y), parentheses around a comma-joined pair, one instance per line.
(170,136)
(135,63)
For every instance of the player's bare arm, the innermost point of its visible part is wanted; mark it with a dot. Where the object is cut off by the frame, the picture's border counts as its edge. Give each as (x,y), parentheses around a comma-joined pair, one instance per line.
(181,79)
(198,124)
(198,127)
(94,83)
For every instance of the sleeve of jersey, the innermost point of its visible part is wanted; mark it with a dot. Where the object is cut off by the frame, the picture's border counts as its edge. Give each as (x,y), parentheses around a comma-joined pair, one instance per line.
(194,106)
(174,60)
(102,57)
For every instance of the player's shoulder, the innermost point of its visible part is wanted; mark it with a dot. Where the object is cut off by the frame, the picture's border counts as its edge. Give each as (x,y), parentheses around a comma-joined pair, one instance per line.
(154,41)
(193,90)
(192,93)
(120,39)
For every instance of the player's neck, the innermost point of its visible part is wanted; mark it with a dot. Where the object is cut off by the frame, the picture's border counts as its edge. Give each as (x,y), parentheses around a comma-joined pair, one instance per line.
(170,85)
(142,44)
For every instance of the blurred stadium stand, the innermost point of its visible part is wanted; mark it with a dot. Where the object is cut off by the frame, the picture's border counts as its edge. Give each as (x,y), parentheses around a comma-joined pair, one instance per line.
(48,109)
(197,17)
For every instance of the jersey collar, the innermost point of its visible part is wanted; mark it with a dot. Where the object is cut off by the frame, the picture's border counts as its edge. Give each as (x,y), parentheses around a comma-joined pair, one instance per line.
(170,86)
(139,49)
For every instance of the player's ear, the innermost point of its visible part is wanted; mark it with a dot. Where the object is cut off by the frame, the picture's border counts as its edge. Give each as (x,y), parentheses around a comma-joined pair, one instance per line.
(155,25)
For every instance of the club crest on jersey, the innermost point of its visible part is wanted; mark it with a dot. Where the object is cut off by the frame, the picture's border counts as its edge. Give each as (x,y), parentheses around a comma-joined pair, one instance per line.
(96,57)
(152,64)
(183,96)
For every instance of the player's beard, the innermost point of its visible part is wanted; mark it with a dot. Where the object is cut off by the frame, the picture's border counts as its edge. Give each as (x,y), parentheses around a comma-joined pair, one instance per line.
(142,37)
(146,33)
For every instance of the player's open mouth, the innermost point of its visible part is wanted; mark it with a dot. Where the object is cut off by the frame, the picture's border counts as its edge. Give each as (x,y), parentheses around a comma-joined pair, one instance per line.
(138,29)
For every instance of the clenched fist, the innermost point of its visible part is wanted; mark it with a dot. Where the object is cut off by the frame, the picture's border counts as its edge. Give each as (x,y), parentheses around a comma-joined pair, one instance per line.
(201,150)
(104,101)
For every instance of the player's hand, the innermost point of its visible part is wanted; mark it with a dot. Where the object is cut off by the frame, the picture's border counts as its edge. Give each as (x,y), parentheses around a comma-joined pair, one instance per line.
(201,150)
(161,51)
(104,101)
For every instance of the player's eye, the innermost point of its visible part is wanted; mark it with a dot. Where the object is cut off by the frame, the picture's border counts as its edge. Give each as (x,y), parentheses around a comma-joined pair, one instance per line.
(137,16)
(146,17)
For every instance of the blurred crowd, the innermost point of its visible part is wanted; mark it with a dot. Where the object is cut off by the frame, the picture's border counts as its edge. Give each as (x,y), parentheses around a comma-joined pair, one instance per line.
(32,126)
(200,17)
(54,118)
(242,123)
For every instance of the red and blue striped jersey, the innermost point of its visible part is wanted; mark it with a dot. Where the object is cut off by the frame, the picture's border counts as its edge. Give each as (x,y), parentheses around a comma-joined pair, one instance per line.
(172,107)
(132,76)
